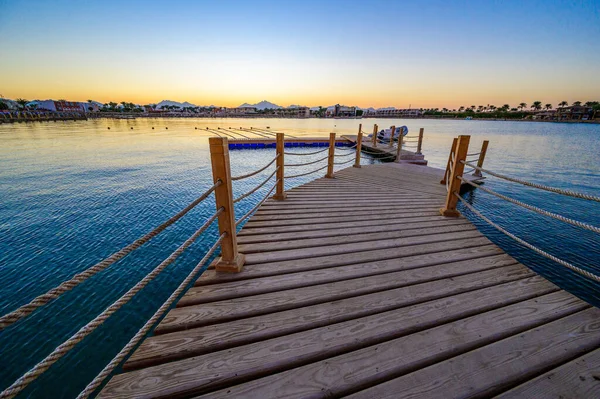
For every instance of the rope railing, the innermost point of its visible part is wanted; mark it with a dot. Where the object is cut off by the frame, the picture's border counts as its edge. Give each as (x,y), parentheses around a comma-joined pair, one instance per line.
(84,331)
(306,163)
(305,174)
(255,172)
(306,153)
(241,197)
(25,310)
(112,365)
(545,254)
(535,185)
(533,208)
(233,132)
(343,163)
(345,155)
(251,211)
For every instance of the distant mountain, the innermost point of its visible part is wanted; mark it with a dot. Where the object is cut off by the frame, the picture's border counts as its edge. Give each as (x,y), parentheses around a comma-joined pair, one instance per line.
(262,105)
(175,103)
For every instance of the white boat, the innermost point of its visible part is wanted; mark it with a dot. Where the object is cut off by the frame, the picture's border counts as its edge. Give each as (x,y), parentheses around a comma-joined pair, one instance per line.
(385,134)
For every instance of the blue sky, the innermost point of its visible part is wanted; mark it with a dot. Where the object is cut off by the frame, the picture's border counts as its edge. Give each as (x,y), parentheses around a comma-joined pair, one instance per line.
(433,53)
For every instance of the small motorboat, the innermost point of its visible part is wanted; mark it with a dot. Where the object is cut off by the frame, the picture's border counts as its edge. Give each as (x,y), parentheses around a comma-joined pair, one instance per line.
(385,134)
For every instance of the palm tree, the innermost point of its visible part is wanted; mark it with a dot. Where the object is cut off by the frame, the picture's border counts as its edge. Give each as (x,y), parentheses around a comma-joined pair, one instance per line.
(576,103)
(461,109)
(522,106)
(506,107)
(22,102)
(537,105)
(563,104)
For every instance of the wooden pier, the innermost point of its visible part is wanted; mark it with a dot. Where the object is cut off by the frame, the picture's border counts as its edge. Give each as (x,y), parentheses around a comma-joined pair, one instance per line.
(367,283)
(357,286)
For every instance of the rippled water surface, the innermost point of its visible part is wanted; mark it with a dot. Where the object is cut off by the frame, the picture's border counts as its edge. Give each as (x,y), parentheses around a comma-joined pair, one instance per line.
(72,193)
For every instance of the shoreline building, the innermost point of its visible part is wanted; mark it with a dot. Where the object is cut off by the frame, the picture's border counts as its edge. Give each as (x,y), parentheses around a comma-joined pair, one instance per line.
(394,113)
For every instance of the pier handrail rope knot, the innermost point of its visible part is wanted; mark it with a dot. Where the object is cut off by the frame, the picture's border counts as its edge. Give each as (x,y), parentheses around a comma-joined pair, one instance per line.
(545,254)
(135,340)
(256,171)
(84,331)
(25,310)
(241,197)
(561,191)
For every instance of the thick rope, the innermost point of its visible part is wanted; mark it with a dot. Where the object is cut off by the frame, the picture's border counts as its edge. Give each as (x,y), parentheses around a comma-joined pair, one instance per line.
(249,213)
(96,382)
(473,154)
(307,153)
(269,134)
(535,185)
(68,285)
(255,172)
(535,208)
(241,197)
(347,148)
(307,163)
(345,162)
(84,331)
(260,134)
(304,174)
(346,155)
(528,245)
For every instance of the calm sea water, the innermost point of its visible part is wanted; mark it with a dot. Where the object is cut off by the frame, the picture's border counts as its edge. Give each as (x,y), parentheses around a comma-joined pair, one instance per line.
(72,193)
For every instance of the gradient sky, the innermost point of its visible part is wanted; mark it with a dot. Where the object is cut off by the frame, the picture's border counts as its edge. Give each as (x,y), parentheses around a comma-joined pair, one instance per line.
(367,53)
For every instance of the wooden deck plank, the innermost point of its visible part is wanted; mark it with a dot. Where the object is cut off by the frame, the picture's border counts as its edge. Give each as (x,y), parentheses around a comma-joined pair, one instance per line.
(350,372)
(349,230)
(347,239)
(213,370)
(218,292)
(358,247)
(232,309)
(166,347)
(579,378)
(432,250)
(493,368)
(248,230)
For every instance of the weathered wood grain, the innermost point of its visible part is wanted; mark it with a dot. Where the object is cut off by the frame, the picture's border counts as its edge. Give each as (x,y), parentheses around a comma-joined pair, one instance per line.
(579,378)
(196,341)
(375,238)
(352,371)
(437,250)
(494,368)
(349,230)
(238,289)
(232,309)
(206,372)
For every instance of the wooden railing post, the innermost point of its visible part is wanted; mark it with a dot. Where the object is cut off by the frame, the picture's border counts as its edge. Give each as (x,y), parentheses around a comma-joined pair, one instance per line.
(230,260)
(393,129)
(358,147)
(399,149)
(449,160)
(462,147)
(280,193)
(375,135)
(331,157)
(484,147)
(420,143)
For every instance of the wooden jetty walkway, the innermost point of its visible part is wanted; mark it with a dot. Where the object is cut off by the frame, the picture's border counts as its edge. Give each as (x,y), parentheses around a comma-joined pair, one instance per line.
(365,283)
(370,293)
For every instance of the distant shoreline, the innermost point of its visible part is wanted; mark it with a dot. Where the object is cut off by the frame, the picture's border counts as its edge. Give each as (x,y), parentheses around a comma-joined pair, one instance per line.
(55,116)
